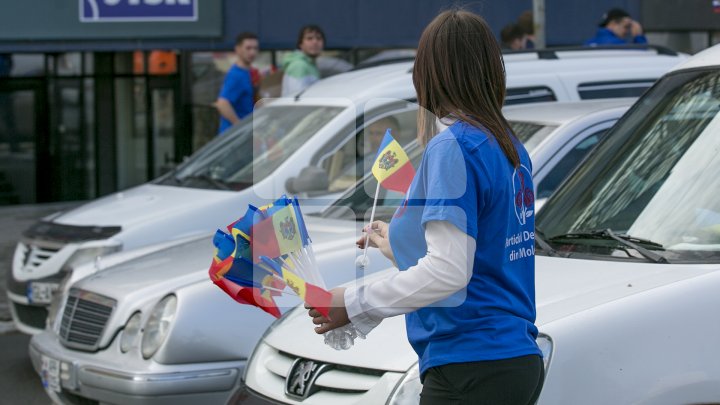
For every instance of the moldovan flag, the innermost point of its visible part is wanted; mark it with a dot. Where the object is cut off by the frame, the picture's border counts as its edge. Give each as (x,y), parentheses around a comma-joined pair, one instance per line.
(315,296)
(392,167)
(276,235)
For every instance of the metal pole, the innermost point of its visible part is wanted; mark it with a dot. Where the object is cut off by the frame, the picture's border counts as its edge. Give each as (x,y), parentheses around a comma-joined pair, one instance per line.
(539,22)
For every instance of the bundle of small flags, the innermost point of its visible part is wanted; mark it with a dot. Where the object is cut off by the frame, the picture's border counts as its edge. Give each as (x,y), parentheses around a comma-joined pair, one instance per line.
(266,253)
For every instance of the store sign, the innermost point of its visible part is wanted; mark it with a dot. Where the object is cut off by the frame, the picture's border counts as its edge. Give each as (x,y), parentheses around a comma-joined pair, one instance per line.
(138,10)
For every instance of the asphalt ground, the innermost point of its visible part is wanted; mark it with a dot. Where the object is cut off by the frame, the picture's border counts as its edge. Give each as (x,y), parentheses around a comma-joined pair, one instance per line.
(19,384)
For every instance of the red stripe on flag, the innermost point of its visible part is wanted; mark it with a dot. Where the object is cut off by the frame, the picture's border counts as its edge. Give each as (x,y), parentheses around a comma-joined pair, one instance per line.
(263,241)
(318,298)
(401,179)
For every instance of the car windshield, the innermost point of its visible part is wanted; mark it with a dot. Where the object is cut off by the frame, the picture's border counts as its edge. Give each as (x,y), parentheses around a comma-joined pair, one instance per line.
(531,134)
(655,178)
(254,148)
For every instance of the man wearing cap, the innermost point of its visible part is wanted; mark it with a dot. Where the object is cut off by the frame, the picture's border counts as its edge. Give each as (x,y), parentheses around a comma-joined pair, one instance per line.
(614,30)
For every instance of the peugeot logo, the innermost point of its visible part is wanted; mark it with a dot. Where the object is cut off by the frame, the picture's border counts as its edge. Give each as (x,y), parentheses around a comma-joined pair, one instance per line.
(300,382)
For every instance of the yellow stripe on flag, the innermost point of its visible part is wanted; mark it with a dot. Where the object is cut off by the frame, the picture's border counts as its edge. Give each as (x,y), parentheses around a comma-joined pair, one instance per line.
(389,160)
(286,230)
(295,283)
(235,233)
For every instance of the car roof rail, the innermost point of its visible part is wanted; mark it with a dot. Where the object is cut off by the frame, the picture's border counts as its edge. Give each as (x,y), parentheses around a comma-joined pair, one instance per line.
(383,62)
(551,53)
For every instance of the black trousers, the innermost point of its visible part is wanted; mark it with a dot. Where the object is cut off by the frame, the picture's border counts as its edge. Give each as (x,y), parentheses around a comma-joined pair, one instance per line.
(515,381)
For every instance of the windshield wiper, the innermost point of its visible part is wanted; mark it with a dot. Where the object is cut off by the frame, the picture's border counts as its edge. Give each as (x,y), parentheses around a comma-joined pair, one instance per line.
(217,183)
(540,240)
(625,240)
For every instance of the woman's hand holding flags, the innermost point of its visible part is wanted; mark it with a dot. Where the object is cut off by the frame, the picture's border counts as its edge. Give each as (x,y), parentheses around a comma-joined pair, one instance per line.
(267,250)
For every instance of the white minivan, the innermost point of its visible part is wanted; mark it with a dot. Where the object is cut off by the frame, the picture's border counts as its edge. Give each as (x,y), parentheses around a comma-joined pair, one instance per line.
(627,276)
(301,145)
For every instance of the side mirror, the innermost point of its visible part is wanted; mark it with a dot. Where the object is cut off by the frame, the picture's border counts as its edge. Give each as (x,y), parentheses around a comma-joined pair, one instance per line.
(311,178)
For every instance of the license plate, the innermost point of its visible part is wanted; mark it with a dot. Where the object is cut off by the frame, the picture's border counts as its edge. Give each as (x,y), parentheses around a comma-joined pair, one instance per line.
(50,373)
(41,293)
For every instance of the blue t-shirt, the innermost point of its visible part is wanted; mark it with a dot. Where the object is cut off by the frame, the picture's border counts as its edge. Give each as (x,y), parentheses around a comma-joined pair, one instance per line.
(238,90)
(604,36)
(464,178)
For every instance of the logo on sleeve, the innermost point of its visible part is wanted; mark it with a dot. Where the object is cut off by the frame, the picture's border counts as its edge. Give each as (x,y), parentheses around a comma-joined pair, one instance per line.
(523,194)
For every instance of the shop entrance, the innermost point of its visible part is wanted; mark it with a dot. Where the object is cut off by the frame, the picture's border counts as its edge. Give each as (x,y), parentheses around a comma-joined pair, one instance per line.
(25,161)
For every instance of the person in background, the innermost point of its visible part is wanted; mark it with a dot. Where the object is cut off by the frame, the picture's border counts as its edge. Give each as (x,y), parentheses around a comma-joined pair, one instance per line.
(513,38)
(615,29)
(299,68)
(237,95)
(526,22)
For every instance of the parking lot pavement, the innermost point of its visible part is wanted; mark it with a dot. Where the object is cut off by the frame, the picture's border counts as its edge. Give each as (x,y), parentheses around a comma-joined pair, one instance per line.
(18,382)
(13,221)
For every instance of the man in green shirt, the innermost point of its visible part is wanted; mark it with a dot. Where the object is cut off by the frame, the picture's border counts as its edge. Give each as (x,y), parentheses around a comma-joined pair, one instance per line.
(299,68)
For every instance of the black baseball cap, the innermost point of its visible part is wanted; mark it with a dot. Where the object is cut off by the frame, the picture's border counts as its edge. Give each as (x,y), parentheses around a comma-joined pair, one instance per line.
(613,14)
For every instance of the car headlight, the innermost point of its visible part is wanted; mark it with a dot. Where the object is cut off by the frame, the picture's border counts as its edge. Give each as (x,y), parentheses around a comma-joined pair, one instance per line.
(407,391)
(546,347)
(158,325)
(88,254)
(130,333)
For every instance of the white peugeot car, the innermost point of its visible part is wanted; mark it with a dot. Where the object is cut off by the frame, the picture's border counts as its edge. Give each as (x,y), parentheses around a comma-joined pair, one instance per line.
(302,145)
(627,276)
(106,343)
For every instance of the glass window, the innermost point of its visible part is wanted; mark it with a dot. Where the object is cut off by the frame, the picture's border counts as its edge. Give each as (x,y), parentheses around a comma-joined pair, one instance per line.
(89,60)
(69,64)
(359,201)
(567,164)
(531,134)
(17,147)
(163,129)
(614,89)
(524,95)
(656,178)
(351,160)
(272,134)
(131,129)
(207,78)
(129,63)
(89,116)
(22,65)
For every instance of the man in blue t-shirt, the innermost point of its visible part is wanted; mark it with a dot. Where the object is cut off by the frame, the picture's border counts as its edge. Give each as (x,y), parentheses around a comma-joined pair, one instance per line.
(614,30)
(237,96)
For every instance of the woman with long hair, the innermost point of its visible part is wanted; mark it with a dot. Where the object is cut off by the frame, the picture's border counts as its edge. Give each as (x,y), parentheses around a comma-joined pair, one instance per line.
(464,238)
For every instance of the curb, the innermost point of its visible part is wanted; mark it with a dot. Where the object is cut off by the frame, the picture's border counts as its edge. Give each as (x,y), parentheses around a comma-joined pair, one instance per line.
(7,327)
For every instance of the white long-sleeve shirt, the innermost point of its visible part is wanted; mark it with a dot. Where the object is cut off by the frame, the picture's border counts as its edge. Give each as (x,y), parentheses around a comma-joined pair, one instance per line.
(443,271)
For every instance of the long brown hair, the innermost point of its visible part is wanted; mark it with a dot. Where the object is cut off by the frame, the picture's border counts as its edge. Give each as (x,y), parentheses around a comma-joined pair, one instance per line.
(459,71)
